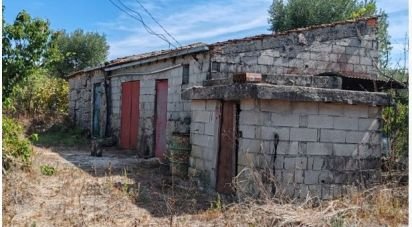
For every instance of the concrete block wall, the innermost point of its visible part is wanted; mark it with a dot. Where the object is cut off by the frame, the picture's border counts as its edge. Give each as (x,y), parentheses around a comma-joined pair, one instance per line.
(348,48)
(323,147)
(204,137)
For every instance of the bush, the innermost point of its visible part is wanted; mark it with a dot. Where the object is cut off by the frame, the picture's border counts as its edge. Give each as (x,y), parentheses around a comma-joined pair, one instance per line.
(39,95)
(16,147)
(47,170)
(396,126)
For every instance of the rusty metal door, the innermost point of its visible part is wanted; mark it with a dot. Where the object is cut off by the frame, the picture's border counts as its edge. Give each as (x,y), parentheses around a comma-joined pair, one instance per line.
(161,118)
(97,102)
(227,152)
(129,123)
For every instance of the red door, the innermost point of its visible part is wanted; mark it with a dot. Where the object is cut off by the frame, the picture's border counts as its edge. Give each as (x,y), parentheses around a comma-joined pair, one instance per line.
(129,123)
(161,118)
(227,156)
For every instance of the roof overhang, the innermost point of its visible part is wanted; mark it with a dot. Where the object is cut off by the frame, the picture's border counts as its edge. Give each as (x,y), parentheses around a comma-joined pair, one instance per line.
(290,93)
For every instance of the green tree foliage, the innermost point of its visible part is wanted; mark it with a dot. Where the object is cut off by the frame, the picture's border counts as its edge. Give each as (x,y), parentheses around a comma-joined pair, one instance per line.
(385,46)
(30,45)
(39,95)
(303,13)
(395,118)
(24,48)
(74,51)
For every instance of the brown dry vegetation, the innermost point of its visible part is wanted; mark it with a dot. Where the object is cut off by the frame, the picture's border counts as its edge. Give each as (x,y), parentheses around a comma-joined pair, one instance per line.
(116,191)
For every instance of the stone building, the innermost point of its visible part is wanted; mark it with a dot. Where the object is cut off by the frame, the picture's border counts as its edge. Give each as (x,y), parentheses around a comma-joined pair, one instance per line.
(306,103)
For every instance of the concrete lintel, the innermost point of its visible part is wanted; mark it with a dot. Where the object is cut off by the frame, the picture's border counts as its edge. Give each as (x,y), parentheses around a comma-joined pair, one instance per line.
(291,93)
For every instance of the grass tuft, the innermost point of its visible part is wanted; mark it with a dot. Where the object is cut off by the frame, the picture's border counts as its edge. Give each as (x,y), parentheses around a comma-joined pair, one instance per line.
(62,135)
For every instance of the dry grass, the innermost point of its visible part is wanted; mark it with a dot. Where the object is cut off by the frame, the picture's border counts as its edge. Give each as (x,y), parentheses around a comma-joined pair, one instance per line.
(119,197)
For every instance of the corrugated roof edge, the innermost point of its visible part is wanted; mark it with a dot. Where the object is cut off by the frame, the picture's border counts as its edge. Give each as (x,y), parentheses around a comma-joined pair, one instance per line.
(88,69)
(197,47)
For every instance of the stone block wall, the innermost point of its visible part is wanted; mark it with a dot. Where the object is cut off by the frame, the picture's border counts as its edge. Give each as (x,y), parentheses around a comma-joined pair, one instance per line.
(178,110)
(80,97)
(204,137)
(346,48)
(323,147)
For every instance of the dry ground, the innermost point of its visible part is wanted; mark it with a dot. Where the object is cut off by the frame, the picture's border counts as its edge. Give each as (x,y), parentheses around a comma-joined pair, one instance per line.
(115,190)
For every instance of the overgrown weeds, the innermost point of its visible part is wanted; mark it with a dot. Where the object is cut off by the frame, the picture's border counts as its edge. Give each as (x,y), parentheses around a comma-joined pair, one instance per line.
(62,134)
(17,148)
(260,205)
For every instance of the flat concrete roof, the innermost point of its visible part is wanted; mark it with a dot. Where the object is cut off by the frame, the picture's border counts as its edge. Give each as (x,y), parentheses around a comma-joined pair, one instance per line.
(282,92)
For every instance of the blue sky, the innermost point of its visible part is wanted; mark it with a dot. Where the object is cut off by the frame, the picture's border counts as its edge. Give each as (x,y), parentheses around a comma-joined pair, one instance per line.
(188,21)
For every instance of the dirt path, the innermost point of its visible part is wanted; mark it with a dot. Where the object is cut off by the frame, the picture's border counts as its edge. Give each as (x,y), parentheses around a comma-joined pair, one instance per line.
(113,190)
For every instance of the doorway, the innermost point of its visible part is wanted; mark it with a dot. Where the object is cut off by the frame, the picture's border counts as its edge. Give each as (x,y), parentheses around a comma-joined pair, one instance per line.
(161,118)
(97,103)
(227,156)
(129,124)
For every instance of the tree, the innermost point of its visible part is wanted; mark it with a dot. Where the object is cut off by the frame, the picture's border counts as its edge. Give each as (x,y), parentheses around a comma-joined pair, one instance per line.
(74,51)
(303,13)
(24,48)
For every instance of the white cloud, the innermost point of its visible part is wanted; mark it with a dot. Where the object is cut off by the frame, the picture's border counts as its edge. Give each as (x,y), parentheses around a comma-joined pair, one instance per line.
(206,20)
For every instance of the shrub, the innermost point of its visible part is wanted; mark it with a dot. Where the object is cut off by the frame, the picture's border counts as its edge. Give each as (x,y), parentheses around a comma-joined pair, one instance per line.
(396,125)
(16,147)
(39,95)
(47,170)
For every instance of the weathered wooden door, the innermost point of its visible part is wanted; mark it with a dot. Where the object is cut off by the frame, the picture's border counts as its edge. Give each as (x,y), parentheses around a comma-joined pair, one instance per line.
(97,102)
(227,152)
(129,123)
(161,117)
